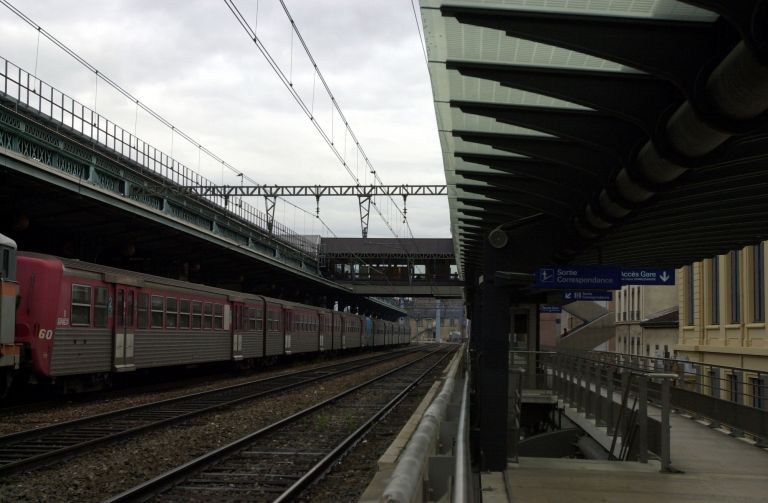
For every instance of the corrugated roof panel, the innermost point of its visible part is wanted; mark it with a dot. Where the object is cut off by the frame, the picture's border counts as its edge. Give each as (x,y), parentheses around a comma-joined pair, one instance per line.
(479,123)
(488,91)
(478,148)
(656,9)
(474,43)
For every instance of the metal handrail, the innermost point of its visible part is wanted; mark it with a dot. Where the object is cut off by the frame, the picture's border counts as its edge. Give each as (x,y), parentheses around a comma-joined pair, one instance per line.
(747,387)
(461,471)
(579,380)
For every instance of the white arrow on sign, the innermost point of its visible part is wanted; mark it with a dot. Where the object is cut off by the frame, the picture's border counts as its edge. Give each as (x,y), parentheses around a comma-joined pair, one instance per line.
(664,276)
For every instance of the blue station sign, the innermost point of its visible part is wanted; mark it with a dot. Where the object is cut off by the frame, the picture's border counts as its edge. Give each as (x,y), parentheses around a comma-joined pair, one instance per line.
(574,296)
(578,277)
(550,308)
(648,276)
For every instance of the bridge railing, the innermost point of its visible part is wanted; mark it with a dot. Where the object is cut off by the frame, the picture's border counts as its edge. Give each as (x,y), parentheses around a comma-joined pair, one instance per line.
(612,396)
(732,396)
(29,93)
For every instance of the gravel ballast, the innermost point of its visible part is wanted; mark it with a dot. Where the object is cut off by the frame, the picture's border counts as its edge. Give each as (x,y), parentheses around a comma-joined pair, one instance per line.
(108,470)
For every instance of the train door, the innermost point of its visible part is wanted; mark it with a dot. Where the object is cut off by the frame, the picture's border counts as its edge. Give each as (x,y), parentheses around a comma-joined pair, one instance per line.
(321,331)
(288,329)
(124,327)
(237,328)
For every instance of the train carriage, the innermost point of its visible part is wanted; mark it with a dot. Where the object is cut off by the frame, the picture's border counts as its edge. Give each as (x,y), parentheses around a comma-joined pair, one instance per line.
(352,330)
(378,333)
(302,328)
(171,326)
(79,320)
(367,335)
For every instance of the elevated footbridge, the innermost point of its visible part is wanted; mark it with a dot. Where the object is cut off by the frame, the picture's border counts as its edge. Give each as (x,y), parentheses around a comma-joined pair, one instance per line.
(393,266)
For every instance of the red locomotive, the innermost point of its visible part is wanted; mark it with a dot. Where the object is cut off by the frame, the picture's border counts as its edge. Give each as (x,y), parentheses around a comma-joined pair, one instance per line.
(78,323)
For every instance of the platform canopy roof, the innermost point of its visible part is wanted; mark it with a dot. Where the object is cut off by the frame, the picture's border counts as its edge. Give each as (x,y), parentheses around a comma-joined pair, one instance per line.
(626,132)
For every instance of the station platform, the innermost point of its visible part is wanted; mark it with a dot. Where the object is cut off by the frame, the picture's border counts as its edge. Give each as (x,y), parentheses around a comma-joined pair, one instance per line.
(715,466)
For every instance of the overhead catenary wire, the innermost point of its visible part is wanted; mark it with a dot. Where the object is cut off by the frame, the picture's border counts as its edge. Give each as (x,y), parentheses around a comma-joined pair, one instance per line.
(309,109)
(309,112)
(98,75)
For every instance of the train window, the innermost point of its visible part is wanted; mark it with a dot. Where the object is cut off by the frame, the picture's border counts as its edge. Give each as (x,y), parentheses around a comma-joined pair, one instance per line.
(171,312)
(258,321)
(81,305)
(100,307)
(207,315)
(197,314)
(184,313)
(143,308)
(157,311)
(218,316)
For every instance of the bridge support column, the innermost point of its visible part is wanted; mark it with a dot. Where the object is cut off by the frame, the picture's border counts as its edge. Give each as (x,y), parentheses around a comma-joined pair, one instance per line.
(491,372)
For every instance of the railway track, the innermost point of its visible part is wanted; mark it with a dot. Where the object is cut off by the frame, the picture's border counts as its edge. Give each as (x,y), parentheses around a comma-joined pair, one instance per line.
(42,446)
(279,461)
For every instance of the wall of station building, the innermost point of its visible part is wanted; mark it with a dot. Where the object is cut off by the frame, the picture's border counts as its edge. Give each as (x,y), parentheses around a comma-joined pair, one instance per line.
(723,310)
(635,305)
(423,317)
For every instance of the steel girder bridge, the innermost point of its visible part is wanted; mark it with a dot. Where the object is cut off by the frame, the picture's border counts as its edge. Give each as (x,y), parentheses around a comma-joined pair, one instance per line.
(623,133)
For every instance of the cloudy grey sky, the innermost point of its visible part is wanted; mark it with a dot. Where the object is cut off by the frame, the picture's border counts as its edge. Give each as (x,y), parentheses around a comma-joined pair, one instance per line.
(192,62)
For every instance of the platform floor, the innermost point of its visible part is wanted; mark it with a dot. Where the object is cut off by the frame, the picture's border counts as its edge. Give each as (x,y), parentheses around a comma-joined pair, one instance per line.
(717,468)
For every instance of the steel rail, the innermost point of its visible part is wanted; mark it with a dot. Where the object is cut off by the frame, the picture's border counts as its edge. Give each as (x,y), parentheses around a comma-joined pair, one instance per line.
(348,443)
(174,477)
(42,445)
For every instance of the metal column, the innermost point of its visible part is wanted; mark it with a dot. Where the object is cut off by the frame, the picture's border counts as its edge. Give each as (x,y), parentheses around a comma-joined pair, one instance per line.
(492,370)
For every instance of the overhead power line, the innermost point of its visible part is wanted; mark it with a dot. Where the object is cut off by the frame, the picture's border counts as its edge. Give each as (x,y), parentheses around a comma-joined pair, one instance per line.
(139,105)
(307,108)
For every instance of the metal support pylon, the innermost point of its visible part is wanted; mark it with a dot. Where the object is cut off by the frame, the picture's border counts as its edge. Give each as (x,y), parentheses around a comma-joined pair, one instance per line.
(270,203)
(365,213)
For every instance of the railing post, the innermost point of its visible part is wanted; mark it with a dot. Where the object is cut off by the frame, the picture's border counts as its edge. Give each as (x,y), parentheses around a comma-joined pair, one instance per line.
(642,418)
(587,390)
(569,395)
(598,403)
(681,376)
(666,461)
(581,400)
(595,412)
(699,378)
(611,374)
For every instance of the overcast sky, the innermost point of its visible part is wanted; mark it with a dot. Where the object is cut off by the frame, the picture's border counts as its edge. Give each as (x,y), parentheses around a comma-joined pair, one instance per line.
(192,62)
